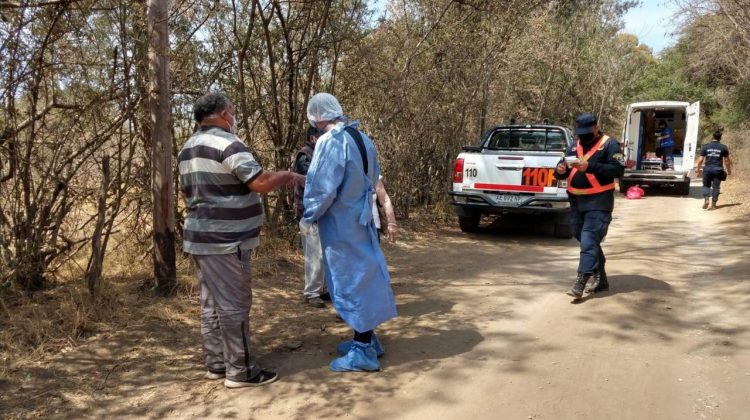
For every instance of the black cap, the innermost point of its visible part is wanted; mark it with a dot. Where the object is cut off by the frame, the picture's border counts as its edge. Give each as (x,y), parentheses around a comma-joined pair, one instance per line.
(585,123)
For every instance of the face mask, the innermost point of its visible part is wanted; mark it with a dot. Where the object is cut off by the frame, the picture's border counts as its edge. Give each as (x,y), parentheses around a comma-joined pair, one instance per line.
(586,138)
(232,123)
(318,131)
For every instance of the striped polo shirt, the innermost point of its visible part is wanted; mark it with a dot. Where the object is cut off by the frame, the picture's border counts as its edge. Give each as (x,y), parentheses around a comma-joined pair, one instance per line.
(222,212)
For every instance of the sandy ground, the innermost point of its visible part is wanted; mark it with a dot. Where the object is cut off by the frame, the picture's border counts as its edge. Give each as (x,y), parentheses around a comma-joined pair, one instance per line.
(484,332)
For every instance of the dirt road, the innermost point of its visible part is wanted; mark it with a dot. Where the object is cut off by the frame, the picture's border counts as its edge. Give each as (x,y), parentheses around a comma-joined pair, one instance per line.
(486,332)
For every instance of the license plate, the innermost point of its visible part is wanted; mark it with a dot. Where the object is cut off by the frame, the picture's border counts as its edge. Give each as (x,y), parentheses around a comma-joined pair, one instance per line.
(507,198)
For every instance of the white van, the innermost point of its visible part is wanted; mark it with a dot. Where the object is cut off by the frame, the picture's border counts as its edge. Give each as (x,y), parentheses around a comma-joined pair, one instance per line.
(640,135)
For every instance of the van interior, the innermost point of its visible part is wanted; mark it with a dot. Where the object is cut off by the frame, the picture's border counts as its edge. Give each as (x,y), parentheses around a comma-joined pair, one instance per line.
(647,156)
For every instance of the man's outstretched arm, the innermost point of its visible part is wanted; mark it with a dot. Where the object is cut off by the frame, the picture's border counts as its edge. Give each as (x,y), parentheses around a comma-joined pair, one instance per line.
(268,181)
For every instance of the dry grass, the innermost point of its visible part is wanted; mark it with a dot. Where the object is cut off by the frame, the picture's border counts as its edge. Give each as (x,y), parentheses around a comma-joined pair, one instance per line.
(33,327)
(61,349)
(735,191)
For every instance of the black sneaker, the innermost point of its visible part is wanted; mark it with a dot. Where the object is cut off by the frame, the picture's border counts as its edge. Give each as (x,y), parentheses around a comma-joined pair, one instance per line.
(216,374)
(265,377)
(316,302)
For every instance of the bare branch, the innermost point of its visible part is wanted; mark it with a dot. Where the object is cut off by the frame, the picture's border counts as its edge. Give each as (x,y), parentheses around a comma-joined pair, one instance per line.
(17,5)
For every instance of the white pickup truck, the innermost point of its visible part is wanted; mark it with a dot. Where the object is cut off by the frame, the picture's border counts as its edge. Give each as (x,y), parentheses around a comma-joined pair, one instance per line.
(512,171)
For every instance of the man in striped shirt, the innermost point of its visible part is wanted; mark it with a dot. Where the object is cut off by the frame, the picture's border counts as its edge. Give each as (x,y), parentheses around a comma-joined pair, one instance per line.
(220,181)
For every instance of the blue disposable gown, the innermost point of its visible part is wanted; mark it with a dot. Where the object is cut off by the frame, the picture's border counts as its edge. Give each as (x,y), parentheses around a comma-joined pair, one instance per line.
(338,196)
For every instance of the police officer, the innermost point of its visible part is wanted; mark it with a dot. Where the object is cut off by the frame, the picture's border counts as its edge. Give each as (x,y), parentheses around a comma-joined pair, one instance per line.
(716,157)
(591,165)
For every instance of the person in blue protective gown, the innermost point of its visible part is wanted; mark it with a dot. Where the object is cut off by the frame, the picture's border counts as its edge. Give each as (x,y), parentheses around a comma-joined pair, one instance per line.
(338,203)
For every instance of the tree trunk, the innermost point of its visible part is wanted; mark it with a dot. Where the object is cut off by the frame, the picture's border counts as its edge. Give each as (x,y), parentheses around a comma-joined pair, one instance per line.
(161,150)
(96,260)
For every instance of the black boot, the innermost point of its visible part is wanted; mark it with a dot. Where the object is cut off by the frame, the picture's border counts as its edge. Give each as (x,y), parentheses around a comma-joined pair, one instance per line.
(705,203)
(600,283)
(713,205)
(577,290)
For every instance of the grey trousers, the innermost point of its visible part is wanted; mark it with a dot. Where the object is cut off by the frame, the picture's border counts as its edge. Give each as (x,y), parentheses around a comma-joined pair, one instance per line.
(315,279)
(226,297)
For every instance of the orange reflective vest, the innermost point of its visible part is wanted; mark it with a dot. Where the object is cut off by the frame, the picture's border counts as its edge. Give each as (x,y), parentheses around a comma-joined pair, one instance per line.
(596,187)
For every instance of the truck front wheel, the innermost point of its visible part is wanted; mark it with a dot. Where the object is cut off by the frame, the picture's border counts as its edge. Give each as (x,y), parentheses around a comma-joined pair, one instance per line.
(469,223)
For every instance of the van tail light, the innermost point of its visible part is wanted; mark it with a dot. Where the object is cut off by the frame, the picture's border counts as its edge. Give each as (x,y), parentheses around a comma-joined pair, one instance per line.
(458,171)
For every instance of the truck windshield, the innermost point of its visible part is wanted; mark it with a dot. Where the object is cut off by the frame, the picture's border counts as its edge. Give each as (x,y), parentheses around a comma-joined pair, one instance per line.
(527,139)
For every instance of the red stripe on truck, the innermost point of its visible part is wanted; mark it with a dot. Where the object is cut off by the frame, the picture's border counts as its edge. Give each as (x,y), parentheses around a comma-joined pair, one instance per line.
(504,187)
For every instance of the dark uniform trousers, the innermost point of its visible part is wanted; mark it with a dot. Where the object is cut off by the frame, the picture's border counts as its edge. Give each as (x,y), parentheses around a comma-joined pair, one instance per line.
(590,227)
(712,181)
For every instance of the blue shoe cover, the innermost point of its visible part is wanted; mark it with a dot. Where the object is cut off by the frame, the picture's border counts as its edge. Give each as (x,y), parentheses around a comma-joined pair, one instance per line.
(344,346)
(360,358)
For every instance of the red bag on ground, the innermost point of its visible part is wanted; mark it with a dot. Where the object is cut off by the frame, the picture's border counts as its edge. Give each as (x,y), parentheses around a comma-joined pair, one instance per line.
(635,192)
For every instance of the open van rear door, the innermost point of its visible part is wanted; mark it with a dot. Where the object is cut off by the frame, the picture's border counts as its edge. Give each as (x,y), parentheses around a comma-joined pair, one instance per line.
(624,136)
(691,137)
(631,136)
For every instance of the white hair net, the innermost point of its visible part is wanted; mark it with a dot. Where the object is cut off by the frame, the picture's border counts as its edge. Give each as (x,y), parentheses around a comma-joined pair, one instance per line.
(323,107)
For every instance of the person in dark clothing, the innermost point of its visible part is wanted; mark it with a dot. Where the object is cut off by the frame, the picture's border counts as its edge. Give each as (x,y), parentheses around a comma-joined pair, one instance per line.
(666,143)
(315,285)
(716,158)
(301,164)
(590,166)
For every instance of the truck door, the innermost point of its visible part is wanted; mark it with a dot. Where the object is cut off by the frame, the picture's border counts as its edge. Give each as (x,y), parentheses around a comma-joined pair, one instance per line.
(691,137)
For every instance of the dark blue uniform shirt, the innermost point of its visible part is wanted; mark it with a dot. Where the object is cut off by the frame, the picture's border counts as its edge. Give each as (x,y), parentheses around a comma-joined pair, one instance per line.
(605,164)
(714,154)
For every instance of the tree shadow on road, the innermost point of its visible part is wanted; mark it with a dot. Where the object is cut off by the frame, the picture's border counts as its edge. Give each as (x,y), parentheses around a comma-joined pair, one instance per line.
(153,369)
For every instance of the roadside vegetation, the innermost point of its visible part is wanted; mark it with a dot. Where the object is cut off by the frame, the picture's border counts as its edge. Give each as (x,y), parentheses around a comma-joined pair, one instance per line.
(423,76)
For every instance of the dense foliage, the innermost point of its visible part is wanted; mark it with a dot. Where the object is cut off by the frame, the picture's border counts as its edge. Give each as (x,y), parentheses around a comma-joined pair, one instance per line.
(423,76)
